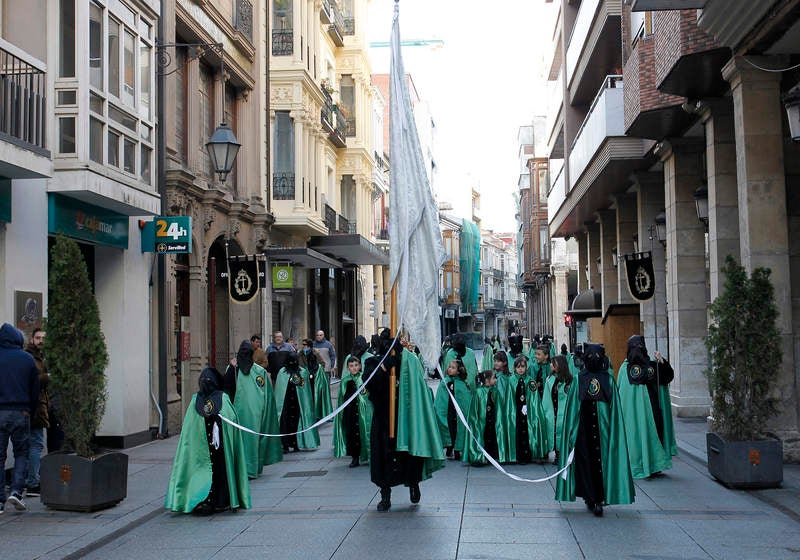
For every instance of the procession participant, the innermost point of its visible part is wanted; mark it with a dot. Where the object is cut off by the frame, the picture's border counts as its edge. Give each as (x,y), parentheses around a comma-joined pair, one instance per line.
(255,407)
(451,430)
(527,422)
(415,451)
(505,408)
(593,427)
(484,421)
(487,362)
(311,360)
(361,351)
(575,360)
(540,369)
(556,389)
(644,394)
(351,428)
(459,351)
(209,472)
(295,406)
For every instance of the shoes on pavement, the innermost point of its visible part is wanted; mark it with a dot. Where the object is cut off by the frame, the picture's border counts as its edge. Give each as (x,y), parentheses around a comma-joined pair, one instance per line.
(386,499)
(16,500)
(598,510)
(203,508)
(448,452)
(414,493)
(457,455)
(589,505)
(33,491)
(354,463)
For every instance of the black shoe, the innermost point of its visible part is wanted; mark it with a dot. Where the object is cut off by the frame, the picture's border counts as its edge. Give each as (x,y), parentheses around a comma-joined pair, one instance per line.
(598,510)
(33,491)
(286,449)
(589,504)
(414,494)
(457,455)
(386,499)
(354,463)
(203,508)
(16,500)
(448,452)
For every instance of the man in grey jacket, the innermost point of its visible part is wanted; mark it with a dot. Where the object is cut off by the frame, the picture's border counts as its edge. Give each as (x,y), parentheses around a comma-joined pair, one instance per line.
(327,352)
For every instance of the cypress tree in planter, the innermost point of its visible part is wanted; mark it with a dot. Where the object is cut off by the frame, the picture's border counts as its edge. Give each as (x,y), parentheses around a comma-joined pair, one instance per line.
(745,353)
(79,479)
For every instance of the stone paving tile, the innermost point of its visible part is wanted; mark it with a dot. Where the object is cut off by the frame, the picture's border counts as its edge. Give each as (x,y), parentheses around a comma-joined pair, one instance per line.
(489,551)
(428,543)
(142,551)
(319,532)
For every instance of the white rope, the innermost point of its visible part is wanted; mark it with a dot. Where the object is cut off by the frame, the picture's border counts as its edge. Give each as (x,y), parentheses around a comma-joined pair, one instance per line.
(319,423)
(492,461)
(775,70)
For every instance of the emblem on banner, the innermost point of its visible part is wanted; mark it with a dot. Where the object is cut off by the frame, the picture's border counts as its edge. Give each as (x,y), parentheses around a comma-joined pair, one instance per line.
(640,275)
(243,279)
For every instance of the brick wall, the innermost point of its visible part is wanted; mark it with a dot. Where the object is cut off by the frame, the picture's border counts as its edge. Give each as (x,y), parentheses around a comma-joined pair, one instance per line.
(677,35)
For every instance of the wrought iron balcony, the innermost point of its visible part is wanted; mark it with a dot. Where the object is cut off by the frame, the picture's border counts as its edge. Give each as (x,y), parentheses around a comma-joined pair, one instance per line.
(335,28)
(325,12)
(282,42)
(345,226)
(349,25)
(350,128)
(23,103)
(329,218)
(497,273)
(332,121)
(283,186)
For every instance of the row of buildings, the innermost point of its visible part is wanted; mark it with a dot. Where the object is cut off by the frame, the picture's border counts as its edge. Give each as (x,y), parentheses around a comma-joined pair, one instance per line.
(672,130)
(83,153)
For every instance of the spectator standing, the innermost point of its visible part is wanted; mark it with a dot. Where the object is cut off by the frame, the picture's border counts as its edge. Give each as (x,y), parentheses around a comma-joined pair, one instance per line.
(40,419)
(19,397)
(259,356)
(327,352)
(277,352)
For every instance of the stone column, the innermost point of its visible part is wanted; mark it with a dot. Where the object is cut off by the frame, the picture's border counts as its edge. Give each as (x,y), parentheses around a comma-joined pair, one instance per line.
(763,221)
(583,282)
(626,229)
(299,166)
(723,197)
(560,332)
(592,252)
(686,278)
(650,202)
(608,240)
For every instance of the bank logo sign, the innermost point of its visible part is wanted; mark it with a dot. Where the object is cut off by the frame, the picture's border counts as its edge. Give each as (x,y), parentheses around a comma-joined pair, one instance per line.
(282,277)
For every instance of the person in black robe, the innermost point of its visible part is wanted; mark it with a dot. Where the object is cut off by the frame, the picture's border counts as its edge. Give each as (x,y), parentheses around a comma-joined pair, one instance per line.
(388,467)
(658,373)
(290,415)
(219,498)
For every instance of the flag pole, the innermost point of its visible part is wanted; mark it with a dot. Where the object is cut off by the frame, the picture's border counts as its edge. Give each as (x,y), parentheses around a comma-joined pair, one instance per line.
(393,370)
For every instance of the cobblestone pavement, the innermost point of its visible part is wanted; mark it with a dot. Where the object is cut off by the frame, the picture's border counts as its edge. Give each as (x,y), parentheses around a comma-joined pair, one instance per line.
(312,506)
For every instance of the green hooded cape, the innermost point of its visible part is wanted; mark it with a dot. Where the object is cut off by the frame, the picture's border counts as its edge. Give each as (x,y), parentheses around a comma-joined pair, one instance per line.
(364,357)
(322,394)
(441,402)
(506,440)
(537,428)
(364,418)
(470,363)
(255,408)
(646,453)
(417,429)
(308,439)
(554,421)
(488,358)
(617,480)
(477,423)
(190,481)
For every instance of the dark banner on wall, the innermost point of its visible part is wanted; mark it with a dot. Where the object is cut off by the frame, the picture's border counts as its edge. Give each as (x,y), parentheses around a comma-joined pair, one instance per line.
(641,278)
(243,278)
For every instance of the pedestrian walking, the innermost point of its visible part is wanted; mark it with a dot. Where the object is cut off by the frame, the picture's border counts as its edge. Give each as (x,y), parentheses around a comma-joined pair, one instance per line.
(40,419)
(644,394)
(327,352)
(19,398)
(351,428)
(295,405)
(593,427)
(209,472)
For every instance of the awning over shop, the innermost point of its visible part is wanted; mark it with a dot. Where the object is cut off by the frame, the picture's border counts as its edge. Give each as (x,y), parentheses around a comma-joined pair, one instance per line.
(586,304)
(302,257)
(350,249)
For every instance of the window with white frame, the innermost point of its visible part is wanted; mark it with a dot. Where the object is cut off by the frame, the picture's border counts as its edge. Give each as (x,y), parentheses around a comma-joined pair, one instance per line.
(121,76)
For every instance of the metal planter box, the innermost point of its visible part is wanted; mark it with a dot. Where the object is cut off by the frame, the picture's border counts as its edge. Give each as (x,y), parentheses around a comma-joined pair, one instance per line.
(74,483)
(745,464)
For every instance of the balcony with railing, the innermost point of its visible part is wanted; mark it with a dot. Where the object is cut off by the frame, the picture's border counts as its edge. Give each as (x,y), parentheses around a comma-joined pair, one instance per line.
(282,42)
(332,121)
(593,47)
(325,12)
(348,25)
(244,19)
(23,101)
(336,28)
(283,186)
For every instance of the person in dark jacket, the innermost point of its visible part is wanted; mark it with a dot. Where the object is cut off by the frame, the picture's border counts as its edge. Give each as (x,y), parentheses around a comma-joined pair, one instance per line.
(40,418)
(19,397)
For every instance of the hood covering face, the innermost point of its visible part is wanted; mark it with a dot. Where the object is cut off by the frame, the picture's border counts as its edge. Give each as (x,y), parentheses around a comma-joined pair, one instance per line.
(359,347)
(244,357)
(515,344)
(637,351)
(11,337)
(292,364)
(595,357)
(459,344)
(209,396)
(385,342)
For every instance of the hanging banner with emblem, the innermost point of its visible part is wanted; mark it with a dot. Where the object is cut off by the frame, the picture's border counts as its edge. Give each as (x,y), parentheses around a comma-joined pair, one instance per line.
(641,277)
(243,278)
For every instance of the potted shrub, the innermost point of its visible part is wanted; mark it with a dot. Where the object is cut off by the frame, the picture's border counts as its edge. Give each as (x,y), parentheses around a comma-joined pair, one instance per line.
(79,478)
(745,352)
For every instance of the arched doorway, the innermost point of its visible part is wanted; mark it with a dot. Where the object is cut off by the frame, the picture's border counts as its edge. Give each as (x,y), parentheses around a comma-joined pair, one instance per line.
(219,339)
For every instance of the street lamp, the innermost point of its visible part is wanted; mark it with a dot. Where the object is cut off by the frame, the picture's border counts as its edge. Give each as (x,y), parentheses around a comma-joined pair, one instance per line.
(614,257)
(661,228)
(223,149)
(635,242)
(599,266)
(701,201)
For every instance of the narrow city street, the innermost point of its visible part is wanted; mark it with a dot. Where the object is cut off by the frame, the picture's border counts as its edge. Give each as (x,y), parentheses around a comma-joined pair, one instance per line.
(312,506)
